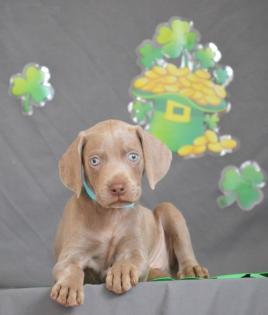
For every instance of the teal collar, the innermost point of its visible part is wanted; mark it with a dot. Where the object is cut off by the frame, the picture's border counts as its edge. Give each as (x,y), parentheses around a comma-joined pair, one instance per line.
(91,195)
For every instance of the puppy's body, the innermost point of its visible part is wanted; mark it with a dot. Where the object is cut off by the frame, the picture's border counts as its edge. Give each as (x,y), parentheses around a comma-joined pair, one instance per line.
(97,234)
(104,240)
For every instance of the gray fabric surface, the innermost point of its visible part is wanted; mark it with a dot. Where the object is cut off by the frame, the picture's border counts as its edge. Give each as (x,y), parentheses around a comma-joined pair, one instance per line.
(89,46)
(208,297)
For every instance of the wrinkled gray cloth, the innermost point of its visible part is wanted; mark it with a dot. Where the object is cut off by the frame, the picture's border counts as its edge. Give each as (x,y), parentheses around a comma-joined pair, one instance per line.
(89,47)
(207,297)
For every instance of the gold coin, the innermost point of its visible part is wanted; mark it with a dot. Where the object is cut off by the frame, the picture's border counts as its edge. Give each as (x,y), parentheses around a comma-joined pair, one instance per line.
(171,88)
(159,70)
(184,82)
(183,71)
(187,92)
(180,87)
(193,78)
(202,101)
(207,91)
(140,82)
(220,91)
(150,74)
(198,86)
(208,83)
(199,149)
(211,136)
(200,140)
(149,86)
(159,88)
(185,150)
(213,100)
(198,101)
(228,143)
(172,69)
(215,147)
(204,74)
(169,79)
(197,96)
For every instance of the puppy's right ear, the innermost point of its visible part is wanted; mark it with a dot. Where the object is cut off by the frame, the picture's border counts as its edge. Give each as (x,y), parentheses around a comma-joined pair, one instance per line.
(157,156)
(70,165)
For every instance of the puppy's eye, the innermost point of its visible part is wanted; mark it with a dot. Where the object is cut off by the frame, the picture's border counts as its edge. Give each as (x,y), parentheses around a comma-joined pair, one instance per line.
(94,161)
(133,157)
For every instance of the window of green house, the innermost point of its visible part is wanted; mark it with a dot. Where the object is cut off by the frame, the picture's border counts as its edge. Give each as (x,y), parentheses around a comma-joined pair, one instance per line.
(177,112)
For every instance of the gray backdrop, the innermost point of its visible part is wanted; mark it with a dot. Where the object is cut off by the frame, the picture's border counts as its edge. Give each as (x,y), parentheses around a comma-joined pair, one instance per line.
(89,46)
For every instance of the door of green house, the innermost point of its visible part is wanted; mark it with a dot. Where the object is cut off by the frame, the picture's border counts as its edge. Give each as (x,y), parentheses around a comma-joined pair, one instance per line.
(176,123)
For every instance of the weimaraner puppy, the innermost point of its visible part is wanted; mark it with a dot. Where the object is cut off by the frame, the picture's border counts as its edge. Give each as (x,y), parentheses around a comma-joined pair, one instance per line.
(105,235)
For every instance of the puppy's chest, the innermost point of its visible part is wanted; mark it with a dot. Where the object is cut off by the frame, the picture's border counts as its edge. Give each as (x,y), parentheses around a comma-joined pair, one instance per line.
(101,248)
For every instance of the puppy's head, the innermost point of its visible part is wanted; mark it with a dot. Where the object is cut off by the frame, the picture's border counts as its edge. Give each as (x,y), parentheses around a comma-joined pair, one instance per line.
(113,155)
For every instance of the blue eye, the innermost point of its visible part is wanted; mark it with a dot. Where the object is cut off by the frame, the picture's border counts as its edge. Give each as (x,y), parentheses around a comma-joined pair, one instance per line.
(94,161)
(133,157)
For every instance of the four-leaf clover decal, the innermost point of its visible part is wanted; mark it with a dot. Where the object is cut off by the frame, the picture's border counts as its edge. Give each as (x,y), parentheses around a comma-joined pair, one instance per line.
(242,185)
(32,87)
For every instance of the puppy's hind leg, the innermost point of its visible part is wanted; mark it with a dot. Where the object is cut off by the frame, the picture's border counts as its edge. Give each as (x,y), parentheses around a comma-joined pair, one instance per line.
(177,233)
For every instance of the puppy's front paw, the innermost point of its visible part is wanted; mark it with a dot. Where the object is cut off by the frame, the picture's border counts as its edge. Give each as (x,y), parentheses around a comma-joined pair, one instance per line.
(121,277)
(193,271)
(67,295)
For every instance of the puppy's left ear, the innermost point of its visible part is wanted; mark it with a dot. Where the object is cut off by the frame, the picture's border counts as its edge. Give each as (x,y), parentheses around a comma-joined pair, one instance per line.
(157,156)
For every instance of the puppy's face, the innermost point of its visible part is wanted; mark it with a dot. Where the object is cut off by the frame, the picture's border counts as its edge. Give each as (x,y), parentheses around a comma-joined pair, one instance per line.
(113,155)
(113,164)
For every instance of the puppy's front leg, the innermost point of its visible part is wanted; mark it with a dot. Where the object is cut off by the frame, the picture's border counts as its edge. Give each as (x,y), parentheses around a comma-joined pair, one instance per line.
(129,266)
(68,288)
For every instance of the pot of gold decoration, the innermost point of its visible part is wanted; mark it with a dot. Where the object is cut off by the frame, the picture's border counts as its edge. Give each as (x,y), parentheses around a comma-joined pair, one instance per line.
(181,102)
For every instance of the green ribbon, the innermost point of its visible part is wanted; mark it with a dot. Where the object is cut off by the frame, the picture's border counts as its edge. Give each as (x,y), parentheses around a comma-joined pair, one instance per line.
(253,275)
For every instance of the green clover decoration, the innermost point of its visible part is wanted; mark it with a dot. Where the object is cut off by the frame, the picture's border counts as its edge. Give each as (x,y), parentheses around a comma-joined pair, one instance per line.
(179,39)
(141,112)
(32,87)
(212,121)
(175,37)
(149,54)
(207,56)
(223,75)
(242,185)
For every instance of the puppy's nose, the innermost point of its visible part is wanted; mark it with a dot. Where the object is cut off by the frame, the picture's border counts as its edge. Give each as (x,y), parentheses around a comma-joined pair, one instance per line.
(117,189)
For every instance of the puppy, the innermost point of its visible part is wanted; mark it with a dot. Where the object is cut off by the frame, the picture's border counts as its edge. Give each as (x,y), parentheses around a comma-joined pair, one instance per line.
(105,235)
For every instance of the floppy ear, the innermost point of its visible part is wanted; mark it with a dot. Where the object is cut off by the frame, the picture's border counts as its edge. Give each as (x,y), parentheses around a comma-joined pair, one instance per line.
(70,165)
(157,157)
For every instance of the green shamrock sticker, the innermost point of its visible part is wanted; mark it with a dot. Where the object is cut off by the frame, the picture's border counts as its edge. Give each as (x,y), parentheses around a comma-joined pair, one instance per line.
(176,37)
(149,54)
(141,112)
(242,185)
(208,56)
(32,87)
(212,121)
(223,75)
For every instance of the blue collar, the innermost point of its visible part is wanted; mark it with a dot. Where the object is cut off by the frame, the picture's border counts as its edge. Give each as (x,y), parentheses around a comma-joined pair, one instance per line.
(91,195)
(89,191)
